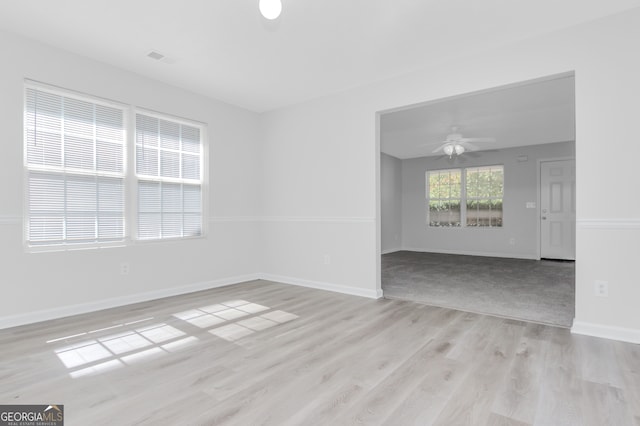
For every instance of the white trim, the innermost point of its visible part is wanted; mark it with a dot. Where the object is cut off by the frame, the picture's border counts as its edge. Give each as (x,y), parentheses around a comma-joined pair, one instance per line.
(391,250)
(83,308)
(284,219)
(10,220)
(114,302)
(378,205)
(216,219)
(166,116)
(336,288)
(566,74)
(69,93)
(608,223)
(606,331)
(474,253)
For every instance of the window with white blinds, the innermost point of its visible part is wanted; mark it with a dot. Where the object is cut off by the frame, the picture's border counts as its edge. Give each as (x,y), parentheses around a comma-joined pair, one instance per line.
(75,159)
(169,178)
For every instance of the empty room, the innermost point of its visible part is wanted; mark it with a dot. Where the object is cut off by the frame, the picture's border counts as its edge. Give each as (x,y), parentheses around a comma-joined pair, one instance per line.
(482,223)
(227,212)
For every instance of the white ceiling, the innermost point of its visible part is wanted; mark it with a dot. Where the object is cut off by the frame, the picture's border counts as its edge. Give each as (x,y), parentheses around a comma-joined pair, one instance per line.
(225,50)
(532,113)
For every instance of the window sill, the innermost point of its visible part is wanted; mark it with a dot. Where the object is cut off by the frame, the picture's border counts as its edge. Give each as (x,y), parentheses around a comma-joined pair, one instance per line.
(93,246)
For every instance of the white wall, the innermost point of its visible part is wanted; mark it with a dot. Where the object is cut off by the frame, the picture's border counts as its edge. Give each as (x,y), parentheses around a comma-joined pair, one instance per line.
(519,223)
(391,202)
(317,165)
(41,285)
(323,161)
(314,205)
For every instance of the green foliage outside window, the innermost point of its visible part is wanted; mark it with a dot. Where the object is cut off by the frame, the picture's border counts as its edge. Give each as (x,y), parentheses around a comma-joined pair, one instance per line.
(484,189)
(445,200)
(479,205)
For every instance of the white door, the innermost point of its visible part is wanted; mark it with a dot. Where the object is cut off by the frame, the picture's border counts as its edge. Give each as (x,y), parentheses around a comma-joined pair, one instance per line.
(558,209)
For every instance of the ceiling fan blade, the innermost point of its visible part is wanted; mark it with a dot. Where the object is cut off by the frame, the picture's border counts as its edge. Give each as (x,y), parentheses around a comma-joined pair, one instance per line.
(439,148)
(470,147)
(477,140)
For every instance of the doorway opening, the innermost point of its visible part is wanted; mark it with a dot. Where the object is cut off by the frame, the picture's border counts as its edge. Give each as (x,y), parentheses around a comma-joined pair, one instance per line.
(477,194)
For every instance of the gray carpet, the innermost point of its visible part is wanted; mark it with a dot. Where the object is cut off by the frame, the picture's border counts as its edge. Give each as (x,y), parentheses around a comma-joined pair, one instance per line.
(540,291)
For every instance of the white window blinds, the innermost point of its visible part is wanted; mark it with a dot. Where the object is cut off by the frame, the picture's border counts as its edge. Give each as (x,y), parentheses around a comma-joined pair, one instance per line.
(168,168)
(75,156)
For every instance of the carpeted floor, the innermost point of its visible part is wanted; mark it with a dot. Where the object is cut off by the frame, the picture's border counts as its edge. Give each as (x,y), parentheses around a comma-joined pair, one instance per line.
(540,291)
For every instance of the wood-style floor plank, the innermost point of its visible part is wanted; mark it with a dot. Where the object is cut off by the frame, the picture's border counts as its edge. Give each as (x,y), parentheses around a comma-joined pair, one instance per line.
(471,402)
(518,398)
(264,353)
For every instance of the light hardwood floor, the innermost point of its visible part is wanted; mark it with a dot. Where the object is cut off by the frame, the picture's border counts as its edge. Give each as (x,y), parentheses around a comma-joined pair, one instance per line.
(268,353)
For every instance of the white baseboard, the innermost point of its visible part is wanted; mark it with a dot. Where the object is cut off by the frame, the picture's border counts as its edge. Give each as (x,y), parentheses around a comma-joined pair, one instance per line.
(337,288)
(83,308)
(474,253)
(393,250)
(606,332)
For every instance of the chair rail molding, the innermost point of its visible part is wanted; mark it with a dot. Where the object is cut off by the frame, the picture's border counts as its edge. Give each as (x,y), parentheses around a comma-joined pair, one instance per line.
(285,219)
(628,223)
(10,220)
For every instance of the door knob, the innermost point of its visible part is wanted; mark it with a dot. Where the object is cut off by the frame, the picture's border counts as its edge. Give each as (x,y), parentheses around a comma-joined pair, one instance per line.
(544,218)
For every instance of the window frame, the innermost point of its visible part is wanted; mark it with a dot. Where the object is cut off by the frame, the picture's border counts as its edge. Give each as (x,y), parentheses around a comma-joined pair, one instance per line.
(489,198)
(62,170)
(449,199)
(133,182)
(130,179)
(463,197)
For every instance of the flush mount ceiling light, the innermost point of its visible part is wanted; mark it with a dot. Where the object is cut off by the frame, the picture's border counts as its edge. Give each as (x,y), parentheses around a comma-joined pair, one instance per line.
(270,9)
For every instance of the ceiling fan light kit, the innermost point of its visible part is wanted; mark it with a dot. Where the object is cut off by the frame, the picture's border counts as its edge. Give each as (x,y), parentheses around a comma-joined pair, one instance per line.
(456,144)
(451,148)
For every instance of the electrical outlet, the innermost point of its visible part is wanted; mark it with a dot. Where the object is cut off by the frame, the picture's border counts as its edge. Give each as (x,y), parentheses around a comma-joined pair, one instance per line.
(327,259)
(512,241)
(601,289)
(124,268)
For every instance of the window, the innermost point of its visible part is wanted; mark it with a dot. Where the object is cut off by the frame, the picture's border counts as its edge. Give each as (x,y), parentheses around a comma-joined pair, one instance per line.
(74,154)
(484,188)
(168,169)
(79,183)
(445,197)
(470,197)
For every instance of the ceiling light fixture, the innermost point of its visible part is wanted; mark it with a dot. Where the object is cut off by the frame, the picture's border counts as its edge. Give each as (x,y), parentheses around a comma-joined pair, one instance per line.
(270,9)
(456,144)
(453,148)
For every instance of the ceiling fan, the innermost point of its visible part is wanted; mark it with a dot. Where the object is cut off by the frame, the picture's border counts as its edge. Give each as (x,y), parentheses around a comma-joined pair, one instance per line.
(456,144)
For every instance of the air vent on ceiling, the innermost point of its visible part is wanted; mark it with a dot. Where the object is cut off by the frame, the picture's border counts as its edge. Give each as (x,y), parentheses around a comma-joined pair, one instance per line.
(155,55)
